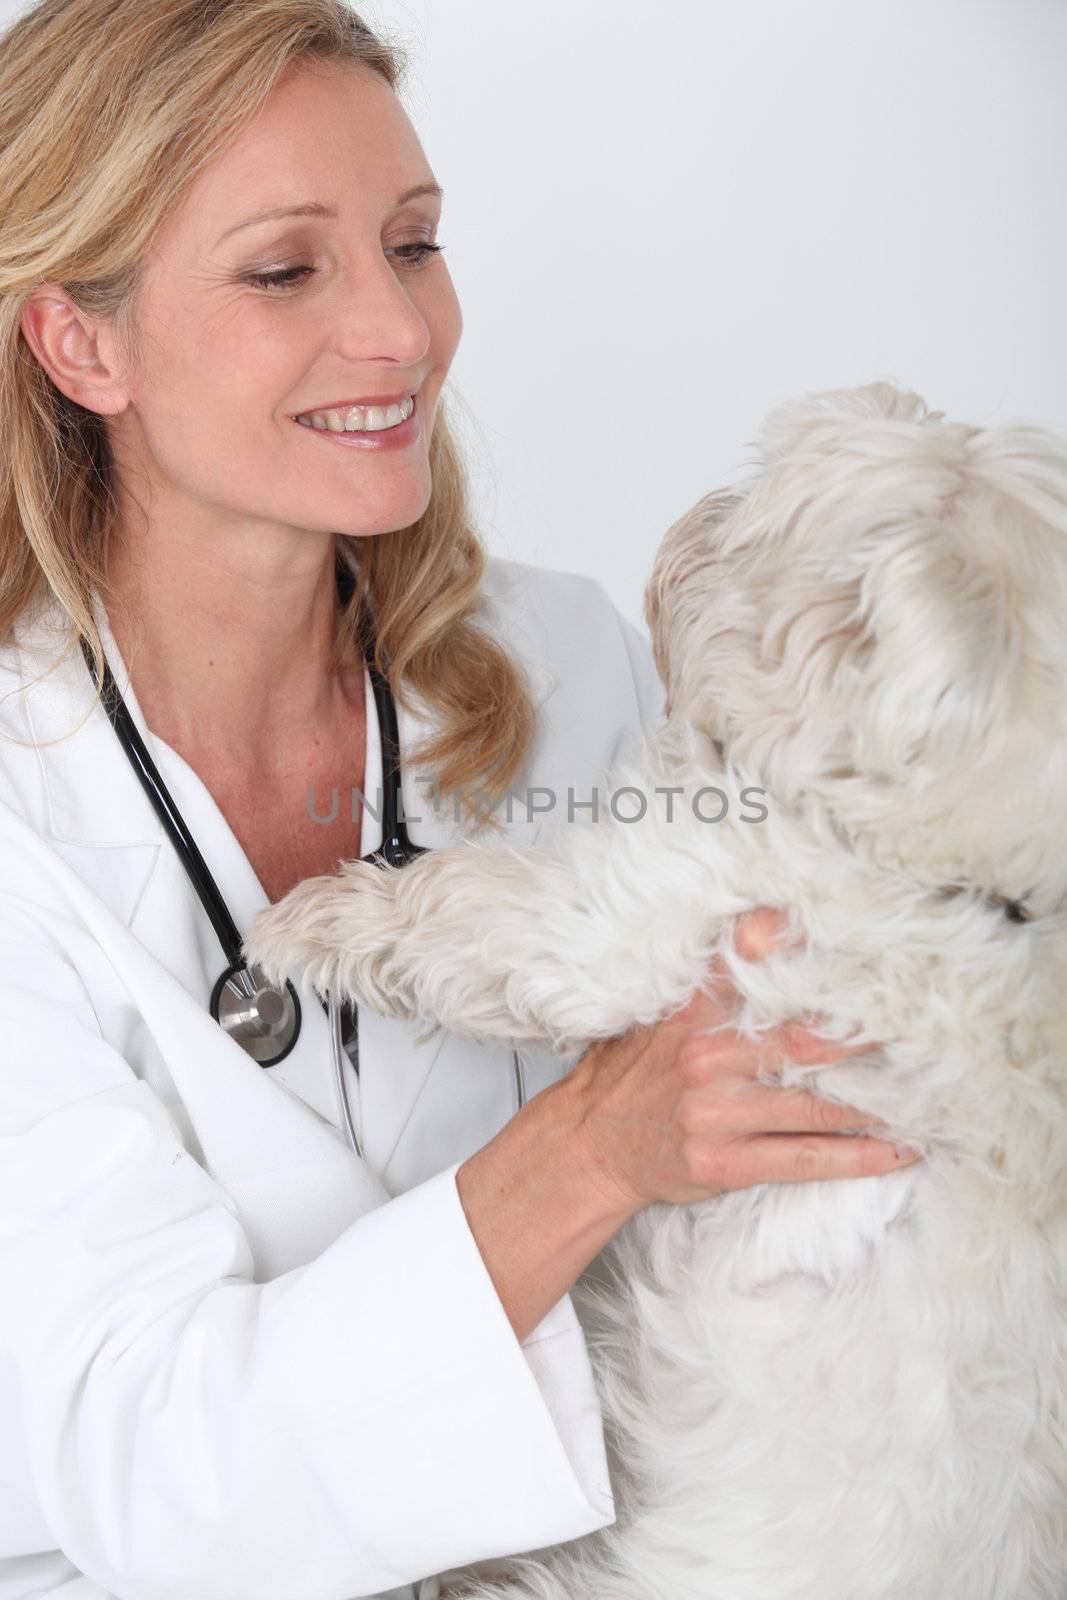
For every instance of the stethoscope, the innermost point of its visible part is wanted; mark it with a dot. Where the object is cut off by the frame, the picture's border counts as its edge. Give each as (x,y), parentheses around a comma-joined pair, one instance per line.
(262,1018)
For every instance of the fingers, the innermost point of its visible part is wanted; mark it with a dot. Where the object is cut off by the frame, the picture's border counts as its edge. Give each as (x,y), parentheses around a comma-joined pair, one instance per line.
(721,1047)
(785,1158)
(754,934)
(757,932)
(795,1043)
(762,1109)
(710,1053)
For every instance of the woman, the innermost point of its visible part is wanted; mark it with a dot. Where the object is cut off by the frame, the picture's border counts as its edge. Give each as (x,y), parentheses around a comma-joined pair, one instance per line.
(239,1361)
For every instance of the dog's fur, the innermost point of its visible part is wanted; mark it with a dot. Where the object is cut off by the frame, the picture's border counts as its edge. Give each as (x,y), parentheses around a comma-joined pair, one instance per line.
(835,1390)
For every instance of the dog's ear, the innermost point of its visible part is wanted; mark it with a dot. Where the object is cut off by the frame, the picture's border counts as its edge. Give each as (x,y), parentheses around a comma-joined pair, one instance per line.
(943,594)
(675,594)
(944,743)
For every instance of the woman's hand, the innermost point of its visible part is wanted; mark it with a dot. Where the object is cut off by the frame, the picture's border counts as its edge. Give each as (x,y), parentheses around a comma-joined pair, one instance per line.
(664,1113)
(670,1113)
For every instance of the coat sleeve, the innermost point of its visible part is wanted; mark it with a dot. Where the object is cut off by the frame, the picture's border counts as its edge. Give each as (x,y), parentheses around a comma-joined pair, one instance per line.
(359,1422)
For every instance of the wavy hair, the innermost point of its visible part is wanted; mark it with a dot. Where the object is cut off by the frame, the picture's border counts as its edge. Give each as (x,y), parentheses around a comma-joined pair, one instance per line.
(109,110)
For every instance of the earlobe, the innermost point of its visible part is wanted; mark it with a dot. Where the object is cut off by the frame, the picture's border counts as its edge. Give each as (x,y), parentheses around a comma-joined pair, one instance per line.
(67,343)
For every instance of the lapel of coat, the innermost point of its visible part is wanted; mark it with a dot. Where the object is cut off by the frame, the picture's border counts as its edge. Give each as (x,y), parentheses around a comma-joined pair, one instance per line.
(397,1058)
(251,1122)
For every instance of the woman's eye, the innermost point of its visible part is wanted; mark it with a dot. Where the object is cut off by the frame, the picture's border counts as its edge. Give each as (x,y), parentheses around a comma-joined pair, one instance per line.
(412,255)
(420,252)
(282,278)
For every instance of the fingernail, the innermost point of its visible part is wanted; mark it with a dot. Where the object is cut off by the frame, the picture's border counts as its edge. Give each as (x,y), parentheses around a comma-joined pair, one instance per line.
(904,1152)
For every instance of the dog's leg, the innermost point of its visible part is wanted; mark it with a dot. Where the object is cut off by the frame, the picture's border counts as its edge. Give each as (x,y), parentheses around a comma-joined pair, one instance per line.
(554,946)
(449,938)
(436,939)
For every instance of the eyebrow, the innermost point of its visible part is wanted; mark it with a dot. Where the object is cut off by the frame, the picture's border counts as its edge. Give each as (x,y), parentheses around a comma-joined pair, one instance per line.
(314,208)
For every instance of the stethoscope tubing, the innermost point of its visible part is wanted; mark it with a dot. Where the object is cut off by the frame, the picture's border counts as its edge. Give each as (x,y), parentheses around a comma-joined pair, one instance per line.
(163,804)
(344,1109)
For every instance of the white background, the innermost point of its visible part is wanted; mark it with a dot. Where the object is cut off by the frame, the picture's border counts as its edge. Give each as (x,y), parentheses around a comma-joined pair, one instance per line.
(661,220)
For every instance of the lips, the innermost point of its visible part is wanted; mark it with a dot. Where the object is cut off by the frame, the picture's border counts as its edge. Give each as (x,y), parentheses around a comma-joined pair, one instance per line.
(398,436)
(356,419)
(383,400)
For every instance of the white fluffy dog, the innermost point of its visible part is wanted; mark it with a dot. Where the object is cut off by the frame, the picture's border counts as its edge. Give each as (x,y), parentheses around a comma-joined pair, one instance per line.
(836,1390)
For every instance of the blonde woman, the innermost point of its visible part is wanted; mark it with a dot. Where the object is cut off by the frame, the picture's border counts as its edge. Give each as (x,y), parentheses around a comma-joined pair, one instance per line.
(240,1361)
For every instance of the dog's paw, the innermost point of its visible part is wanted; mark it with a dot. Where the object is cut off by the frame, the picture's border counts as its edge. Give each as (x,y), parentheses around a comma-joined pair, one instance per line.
(328,931)
(297,938)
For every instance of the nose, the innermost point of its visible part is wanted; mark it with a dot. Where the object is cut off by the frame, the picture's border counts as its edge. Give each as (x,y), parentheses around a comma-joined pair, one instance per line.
(378,319)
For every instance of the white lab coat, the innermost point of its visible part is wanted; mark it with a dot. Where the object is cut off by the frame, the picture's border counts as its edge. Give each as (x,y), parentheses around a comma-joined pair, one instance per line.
(237,1362)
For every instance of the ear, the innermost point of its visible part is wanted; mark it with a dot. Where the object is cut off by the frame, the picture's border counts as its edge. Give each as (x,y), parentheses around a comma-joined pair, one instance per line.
(932,653)
(905,634)
(78,352)
(943,740)
(676,592)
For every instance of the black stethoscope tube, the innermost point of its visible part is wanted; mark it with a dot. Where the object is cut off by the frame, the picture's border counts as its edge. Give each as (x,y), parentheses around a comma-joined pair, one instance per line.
(163,804)
(396,849)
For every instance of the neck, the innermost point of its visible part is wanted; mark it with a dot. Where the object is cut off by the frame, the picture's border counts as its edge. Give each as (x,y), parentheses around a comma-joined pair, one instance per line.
(228,652)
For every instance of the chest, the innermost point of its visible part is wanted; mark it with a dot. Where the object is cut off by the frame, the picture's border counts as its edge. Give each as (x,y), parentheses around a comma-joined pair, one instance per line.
(302,822)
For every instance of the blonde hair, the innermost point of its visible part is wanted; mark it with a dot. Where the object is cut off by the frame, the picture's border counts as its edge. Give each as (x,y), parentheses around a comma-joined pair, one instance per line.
(109,110)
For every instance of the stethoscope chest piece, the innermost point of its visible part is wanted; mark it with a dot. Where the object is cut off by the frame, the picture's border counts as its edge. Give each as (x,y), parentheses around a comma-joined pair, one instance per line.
(263,1019)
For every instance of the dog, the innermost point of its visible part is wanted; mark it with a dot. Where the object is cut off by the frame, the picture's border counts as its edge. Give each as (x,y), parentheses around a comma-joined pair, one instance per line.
(819,1390)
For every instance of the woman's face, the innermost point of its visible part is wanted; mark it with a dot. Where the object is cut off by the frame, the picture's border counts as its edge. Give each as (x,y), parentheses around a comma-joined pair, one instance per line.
(243,325)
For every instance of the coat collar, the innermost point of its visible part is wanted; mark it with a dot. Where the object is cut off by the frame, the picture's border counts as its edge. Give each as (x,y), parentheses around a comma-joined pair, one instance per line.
(74,737)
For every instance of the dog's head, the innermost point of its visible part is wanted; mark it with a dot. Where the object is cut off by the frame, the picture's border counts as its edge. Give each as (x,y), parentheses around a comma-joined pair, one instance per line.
(877,620)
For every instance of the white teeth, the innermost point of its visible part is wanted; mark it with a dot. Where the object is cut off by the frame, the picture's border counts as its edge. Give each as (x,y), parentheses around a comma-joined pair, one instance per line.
(359,419)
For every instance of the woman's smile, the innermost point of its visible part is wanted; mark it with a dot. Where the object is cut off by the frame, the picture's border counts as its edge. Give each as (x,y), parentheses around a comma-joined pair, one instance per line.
(392,424)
